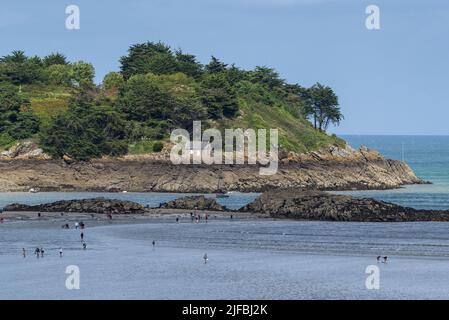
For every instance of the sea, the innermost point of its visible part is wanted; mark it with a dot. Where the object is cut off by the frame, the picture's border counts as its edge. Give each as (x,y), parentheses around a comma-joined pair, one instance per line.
(428,156)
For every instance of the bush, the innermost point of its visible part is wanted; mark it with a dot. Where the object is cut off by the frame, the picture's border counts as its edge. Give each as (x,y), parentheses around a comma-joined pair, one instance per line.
(113,80)
(158,146)
(59,74)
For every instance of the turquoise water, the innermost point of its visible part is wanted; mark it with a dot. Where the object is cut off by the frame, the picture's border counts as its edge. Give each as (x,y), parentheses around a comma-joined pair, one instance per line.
(429,158)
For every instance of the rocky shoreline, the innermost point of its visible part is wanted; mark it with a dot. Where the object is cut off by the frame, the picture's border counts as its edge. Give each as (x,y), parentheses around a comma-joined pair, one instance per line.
(277,204)
(318,205)
(330,169)
(96,205)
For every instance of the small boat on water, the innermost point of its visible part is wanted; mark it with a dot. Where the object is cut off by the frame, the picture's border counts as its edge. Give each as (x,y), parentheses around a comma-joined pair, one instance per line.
(33,190)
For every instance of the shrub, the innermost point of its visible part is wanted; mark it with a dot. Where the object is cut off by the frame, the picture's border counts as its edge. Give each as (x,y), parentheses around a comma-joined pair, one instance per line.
(158,146)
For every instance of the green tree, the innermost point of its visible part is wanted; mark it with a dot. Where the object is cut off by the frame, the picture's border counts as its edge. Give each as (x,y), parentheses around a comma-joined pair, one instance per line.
(59,74)
(142,99)
(83,74)
(218,96)
(86,132)
(148,57)
(216,66)
(322,105)
(17,68)
(188,65)
(267,76)
(54,59)
(185,95)
(113,80)
(16,123)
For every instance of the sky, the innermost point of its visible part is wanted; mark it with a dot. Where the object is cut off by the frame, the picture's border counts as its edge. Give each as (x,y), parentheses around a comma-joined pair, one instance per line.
(389,81)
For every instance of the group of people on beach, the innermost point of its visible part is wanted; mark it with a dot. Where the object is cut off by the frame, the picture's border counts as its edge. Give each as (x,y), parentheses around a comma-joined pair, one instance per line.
(196,217)
(39,252)
(385,258)
(78,225)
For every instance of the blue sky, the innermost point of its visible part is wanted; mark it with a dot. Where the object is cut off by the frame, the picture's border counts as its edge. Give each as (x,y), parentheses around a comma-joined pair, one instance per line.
(390,81)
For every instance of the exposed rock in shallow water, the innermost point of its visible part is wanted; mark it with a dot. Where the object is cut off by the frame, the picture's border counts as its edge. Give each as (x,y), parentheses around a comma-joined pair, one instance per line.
(317,205)
(194,203)
(97,205)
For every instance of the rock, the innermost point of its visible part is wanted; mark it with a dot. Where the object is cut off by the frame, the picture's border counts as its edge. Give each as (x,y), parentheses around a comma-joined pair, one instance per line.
(96,205)
(318,205)
(67,159)
(25,150)
(193,203)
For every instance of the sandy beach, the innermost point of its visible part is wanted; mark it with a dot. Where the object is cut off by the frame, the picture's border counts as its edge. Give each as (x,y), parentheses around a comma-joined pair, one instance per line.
(248,259)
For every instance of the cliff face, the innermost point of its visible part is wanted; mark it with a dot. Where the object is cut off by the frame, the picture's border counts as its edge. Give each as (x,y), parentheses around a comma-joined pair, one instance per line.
(329,169)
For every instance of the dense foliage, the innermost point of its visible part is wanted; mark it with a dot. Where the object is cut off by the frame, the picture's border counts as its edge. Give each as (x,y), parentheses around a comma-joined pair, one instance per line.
(57,103)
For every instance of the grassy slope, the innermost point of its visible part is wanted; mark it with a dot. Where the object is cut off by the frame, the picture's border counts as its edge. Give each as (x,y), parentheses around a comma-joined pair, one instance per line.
(295,134)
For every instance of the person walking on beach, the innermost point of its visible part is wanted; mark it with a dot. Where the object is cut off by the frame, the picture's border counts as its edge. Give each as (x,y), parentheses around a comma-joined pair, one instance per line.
(378,259)
(206,217)
(82,236)
(77,225)
(84,246)
(24,253)
(36,252)
(205,258)
(60,252)
(154,244)
(177,219)
(385,259)
(42,252)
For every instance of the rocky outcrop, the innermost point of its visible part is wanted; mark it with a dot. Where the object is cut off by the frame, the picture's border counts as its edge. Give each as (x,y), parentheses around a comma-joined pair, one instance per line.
(25,150)
(97,205)
(317,205)
(193,203)
(330,169)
